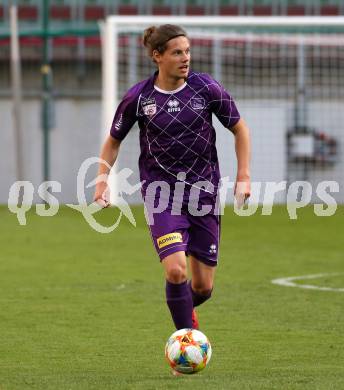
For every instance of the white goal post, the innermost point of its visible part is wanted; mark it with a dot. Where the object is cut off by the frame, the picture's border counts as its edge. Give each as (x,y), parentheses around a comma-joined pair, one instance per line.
(274,62)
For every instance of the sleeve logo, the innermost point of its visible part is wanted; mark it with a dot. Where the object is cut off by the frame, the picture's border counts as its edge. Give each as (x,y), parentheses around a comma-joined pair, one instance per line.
(168,239)
(118,124)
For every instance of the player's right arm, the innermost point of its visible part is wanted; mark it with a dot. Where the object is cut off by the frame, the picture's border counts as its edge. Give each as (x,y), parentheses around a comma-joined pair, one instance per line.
(123,121)
(109,155)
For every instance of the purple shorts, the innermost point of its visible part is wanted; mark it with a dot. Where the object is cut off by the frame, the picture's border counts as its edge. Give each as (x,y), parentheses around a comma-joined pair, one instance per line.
(198,236)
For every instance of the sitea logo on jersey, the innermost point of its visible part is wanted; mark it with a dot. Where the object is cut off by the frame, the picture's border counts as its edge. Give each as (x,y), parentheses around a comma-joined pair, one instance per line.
(173,105)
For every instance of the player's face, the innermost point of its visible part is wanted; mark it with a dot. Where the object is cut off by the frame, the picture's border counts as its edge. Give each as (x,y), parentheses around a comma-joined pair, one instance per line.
(175,61)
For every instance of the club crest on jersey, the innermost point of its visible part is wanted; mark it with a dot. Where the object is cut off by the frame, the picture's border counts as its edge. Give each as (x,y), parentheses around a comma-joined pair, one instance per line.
(197,103)
(173,105)
(149,106)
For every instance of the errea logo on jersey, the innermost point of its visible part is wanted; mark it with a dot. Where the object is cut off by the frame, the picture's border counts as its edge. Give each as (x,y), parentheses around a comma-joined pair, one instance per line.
(173,105)
(168,239)
(212,249)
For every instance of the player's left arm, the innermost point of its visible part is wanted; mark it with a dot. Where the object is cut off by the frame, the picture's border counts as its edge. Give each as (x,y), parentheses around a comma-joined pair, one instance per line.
(242,190)
(223,106)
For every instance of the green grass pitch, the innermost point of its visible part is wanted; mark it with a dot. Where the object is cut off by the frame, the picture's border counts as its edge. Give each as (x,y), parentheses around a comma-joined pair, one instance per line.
(83,310)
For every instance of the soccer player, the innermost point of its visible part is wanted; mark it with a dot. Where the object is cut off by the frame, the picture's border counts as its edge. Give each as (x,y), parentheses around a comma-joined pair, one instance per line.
(174,110)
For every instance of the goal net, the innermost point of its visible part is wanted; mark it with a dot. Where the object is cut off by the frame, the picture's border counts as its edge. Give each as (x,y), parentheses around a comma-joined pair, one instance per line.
(285,73)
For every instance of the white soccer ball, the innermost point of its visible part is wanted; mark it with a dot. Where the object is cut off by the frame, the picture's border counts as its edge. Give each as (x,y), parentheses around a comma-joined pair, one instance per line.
(188,351)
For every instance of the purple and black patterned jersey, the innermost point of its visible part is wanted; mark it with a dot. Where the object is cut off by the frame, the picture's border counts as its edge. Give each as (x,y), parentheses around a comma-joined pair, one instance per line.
(176,131)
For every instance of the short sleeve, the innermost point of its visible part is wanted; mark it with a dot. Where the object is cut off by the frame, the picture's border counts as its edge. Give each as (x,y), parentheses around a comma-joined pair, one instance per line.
(222,105)
(125,116)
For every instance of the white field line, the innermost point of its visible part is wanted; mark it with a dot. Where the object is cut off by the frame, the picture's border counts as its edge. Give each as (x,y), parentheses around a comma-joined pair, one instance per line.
(289,282)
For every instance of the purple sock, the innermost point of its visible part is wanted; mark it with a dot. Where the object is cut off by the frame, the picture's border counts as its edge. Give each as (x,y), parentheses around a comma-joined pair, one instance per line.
(198,299)
(179,301)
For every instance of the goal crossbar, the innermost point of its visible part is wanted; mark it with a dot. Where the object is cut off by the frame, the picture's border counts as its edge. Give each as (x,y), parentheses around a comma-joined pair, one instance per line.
(225,21)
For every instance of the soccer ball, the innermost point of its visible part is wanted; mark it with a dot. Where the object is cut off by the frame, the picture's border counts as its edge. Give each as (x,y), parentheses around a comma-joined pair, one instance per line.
(188,351)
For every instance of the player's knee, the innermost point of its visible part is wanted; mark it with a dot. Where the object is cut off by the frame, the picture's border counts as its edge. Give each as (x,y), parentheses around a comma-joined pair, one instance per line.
(176,273)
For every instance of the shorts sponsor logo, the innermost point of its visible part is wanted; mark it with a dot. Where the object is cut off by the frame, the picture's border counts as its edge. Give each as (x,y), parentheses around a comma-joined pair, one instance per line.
(168,239)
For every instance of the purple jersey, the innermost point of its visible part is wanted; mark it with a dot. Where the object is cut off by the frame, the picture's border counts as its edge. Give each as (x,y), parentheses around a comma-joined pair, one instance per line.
(176,131)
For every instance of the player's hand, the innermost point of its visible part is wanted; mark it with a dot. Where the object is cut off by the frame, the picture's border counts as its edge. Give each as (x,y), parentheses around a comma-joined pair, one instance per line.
(102,194)
(242,191)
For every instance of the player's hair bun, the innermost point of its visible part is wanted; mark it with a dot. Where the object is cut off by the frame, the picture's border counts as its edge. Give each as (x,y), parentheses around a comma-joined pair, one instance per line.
(147,34)
(156,38)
